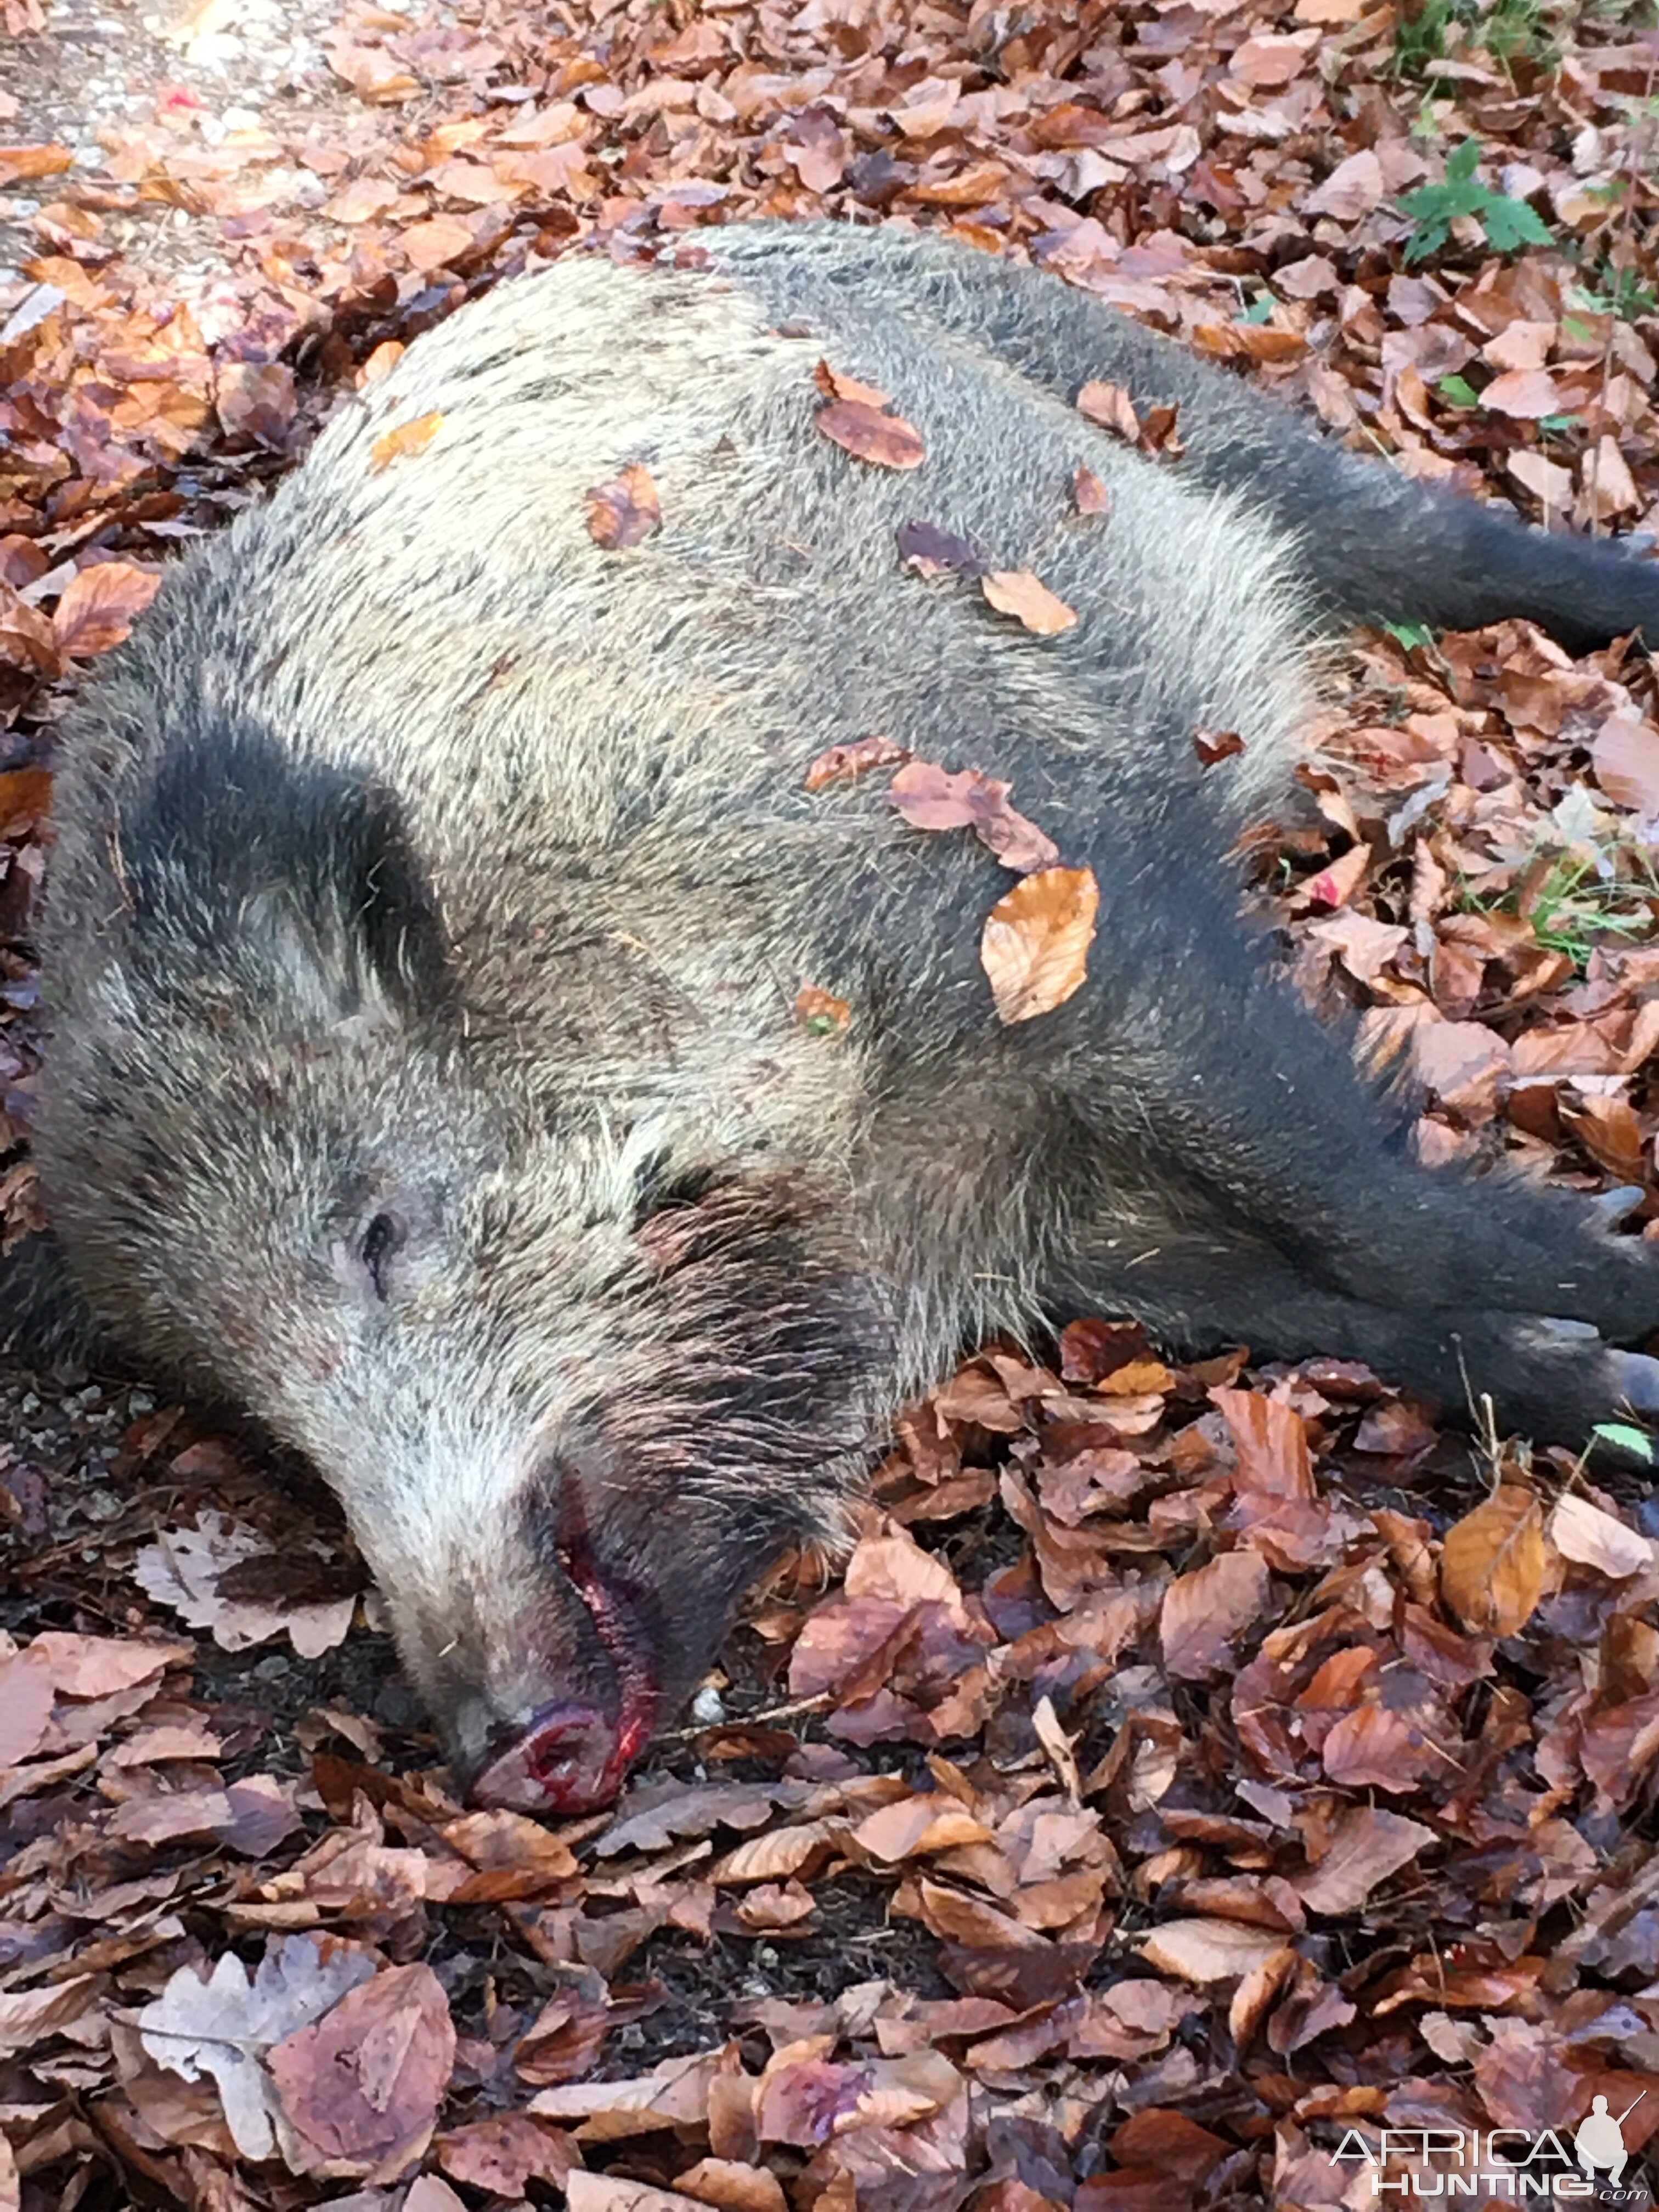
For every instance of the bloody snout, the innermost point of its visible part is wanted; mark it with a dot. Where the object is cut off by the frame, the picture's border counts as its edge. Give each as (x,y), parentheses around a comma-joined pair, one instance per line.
(570,1759)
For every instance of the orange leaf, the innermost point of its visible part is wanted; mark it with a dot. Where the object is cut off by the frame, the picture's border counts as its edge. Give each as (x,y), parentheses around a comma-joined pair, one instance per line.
(821,1011)
(1492,1563)
(1018,592)
(833,385)
(1034,945)
(20,163)
(99,606)
(412,437)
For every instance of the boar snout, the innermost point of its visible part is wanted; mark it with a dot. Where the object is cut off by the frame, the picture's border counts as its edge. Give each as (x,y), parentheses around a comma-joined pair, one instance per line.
(571,1752)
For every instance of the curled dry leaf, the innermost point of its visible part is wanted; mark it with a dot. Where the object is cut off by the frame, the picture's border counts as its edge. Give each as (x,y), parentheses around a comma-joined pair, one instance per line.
(934,552)
(932,798)
(1035,945)
(100,606)
(841,763)
(1213,745)
(1109,407)
(834,385)
(1019,593)
(623,511)
(886,441)
(1492,1563)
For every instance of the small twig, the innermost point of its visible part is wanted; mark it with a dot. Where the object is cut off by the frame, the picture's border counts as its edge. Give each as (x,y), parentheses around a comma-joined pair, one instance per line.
(754,1720)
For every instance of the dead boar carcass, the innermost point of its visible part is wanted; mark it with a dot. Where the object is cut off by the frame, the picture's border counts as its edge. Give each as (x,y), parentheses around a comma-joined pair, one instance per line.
(433,889)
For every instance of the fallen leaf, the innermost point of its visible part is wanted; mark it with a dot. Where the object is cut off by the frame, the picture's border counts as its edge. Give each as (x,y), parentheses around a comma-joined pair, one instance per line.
(100,606)
(1213,745)
(623,511)
(223,2026)
(1018,592)
(1625,758)
(1208,1950)
(1035,945)
(411,437)
(1204,1612)
(360,2088)
(1584,1532)
(887,441)
(932,798)
(841,763)
(1369,1846)
(1091,495)
(1492,1563)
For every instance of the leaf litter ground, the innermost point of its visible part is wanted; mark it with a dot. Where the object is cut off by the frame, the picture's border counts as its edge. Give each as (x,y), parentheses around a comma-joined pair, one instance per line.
(1193,1770)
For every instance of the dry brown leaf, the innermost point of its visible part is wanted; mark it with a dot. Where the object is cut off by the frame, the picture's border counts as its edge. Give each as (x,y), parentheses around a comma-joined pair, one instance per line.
(1214,745)
(1035,945)
(1208,1950)
(1493,1561)
(506,2151)
(841,763)
(1205,1611)
(1019,593)
(833,385)
(413,437)
(23,164)
(623,511)
(1625,758)
(932,798)
(25,799)
(100,606)
(1584,1532)
(732,2185)
(1109,407)
(1369,1846)
(609,2192)
(361,2089)
(886,441)
(1091,495)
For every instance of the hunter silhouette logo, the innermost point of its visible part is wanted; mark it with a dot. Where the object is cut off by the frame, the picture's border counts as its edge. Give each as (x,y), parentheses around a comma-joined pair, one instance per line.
(1598,2144)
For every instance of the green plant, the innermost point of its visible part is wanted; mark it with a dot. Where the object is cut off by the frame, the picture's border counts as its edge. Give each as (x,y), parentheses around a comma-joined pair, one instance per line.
(1507,224)
(1612,291)
(1575,905)
(1505,30)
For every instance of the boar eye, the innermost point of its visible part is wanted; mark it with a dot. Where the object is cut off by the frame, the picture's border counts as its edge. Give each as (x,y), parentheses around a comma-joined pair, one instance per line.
(384,1236)
(658,1188)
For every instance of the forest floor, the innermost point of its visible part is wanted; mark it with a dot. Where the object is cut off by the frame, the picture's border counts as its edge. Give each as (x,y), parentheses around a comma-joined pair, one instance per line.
(1198,1771)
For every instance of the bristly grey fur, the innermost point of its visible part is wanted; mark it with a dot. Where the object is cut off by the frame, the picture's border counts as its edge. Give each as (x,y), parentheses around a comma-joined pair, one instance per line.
(433,889)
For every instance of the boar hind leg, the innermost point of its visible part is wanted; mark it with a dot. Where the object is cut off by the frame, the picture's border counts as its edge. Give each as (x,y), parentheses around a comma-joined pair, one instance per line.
(1552,1381)
(1369,545)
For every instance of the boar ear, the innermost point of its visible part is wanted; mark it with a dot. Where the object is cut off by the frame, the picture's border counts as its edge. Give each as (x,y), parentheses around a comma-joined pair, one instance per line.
(263,870)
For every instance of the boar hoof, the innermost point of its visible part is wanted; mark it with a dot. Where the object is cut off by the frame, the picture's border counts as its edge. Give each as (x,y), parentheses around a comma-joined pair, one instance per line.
(570,1759)
(1638,1380)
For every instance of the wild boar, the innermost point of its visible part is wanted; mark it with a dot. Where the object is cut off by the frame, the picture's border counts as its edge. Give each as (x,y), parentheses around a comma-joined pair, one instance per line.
(433,887)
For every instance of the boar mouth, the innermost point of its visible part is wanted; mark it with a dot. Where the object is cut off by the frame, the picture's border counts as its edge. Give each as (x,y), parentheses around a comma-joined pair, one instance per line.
(572,1758)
